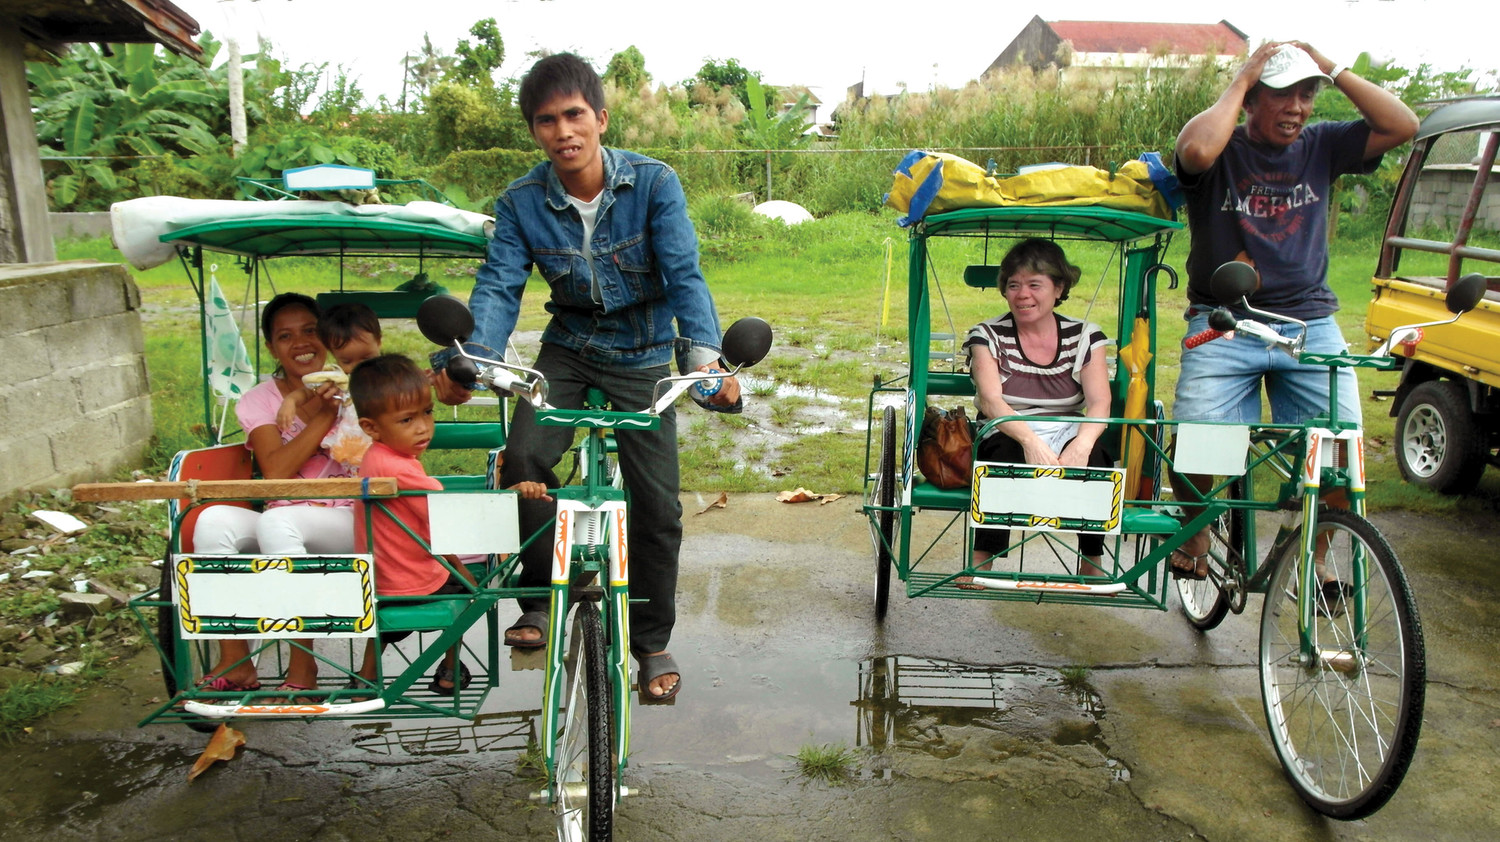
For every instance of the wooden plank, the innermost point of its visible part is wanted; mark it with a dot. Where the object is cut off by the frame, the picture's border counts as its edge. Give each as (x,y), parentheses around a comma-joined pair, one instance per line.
(237,489)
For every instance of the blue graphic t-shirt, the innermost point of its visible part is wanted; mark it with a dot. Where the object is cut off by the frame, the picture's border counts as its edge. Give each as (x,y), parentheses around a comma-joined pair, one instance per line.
(1273,204)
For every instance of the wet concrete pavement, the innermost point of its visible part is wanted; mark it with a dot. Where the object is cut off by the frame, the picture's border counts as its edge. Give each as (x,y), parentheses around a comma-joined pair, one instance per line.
(964,722)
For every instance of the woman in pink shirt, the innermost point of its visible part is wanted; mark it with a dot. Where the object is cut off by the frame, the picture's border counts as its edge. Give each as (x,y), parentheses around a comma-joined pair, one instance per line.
(286,527)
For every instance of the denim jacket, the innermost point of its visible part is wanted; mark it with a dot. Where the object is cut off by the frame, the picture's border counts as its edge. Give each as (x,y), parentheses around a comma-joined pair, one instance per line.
(645,256)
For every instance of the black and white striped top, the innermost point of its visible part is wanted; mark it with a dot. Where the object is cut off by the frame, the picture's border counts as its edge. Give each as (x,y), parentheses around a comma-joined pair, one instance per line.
(1055,388)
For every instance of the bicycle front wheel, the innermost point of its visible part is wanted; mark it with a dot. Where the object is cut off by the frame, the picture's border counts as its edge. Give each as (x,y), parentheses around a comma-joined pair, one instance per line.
(584,789)
(1344,711)
(883,523)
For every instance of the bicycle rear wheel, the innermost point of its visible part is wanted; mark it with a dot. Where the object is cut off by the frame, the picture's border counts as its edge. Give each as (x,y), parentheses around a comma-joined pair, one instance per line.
(584,790)
(166,639)
(1204,601)
(1344,719)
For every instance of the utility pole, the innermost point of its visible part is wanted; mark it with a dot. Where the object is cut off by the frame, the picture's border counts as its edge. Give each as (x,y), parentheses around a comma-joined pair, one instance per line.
(237,134)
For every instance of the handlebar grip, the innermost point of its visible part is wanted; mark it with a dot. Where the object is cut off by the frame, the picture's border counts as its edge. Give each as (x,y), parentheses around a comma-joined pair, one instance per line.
(463,371)
(1201,338)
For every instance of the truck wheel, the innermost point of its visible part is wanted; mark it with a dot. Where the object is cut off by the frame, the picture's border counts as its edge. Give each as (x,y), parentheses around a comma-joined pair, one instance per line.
(1438,445)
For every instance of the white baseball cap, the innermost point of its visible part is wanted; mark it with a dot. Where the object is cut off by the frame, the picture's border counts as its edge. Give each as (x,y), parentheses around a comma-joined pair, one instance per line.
(1289,65)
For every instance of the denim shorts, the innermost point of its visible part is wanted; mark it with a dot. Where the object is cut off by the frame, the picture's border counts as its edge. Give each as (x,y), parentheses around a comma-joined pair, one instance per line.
(1220,380)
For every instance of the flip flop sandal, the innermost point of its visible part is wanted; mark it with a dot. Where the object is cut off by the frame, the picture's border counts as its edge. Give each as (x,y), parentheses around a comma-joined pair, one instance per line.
(291,698)
(539,620)
(445,674)
(1196,569)
(653,667)
(220,684)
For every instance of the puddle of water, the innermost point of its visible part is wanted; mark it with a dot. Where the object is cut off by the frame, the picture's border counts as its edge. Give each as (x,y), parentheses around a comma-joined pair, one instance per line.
(89,778)
(768,387)
(926,705)
(501,731)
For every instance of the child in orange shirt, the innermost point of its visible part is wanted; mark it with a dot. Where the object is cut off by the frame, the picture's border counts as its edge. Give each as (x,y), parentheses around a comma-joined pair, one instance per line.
(393,399)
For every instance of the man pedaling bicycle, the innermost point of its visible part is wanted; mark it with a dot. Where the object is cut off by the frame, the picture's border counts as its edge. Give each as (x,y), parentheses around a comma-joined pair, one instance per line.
(1258,193)
(609,231)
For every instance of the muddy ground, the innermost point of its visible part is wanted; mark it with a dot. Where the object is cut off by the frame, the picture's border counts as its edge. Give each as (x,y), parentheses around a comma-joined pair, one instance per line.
(963,718)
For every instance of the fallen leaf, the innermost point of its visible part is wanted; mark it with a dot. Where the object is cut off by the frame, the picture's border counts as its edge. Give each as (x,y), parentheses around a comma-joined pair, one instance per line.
(825,499)
(800,495)
(780,472)
(220,747)
(721,503)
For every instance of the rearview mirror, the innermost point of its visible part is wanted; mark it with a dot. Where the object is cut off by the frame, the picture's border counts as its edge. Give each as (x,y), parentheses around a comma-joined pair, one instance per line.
(1466,293)
(1232,281)
(746,342)
(444,319)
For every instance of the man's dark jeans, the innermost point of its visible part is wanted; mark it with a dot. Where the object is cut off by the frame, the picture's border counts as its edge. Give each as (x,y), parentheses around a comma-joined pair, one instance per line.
(648,460)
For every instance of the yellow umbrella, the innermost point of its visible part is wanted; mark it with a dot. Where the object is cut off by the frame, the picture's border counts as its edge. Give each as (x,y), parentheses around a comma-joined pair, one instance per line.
(1136,356)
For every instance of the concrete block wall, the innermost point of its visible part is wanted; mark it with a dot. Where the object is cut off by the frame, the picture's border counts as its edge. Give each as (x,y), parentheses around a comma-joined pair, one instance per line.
(75,400)
(66,225)
(1442,193)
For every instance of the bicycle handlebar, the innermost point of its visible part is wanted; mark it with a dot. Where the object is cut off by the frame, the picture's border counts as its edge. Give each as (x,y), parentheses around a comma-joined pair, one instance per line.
(532,384)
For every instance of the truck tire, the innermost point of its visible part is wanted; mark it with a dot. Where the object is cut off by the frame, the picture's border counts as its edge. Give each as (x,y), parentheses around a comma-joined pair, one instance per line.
(1438,443)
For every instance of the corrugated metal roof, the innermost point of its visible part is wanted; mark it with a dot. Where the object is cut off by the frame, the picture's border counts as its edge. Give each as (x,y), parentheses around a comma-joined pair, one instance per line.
(50,25)
(1090,36)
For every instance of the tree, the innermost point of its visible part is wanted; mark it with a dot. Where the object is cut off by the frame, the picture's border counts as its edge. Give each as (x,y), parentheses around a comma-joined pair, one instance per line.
(102,110)
(426,68)
(466,118)
(627,69)
(717,76)
(477,62)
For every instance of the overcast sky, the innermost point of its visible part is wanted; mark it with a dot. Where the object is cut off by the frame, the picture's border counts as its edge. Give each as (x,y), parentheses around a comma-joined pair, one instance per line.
(828,46)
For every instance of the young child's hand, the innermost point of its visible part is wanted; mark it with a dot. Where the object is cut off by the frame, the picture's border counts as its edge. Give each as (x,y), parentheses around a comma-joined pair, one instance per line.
(531,491)
(287,414)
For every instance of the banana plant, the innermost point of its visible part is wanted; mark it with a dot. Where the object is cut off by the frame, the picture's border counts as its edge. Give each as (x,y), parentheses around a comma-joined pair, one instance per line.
(762,130)
(91,108)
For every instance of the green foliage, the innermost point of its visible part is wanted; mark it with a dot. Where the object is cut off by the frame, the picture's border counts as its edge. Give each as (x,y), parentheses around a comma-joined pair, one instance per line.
(831,763)
(715,76)
(91,108)
(25,702)
(306,145)
(482,174)
(463,118)
(478,62)
(765,128)
(627,70)
(426,69)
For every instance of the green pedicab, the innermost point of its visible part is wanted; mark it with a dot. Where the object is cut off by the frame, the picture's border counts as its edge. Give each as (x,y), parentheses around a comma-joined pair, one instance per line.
(1342,668)
(279,603)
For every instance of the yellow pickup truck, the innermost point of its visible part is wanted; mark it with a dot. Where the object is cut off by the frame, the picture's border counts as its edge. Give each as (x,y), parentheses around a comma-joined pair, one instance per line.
(1445,223)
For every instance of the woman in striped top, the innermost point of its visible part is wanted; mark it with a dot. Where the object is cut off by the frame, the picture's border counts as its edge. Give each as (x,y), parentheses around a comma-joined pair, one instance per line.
(1035,361)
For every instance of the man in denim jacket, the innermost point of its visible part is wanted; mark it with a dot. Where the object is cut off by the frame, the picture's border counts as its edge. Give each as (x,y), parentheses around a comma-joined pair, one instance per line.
(608,231)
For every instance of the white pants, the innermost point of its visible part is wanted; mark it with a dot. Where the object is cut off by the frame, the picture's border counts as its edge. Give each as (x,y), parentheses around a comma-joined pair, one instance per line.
(282,530)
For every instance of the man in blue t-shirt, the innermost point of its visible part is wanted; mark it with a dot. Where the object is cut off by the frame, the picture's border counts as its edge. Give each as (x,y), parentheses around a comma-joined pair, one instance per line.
(1258,192)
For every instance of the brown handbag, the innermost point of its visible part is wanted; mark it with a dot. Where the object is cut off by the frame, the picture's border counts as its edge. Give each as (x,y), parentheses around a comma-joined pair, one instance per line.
(945,447)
